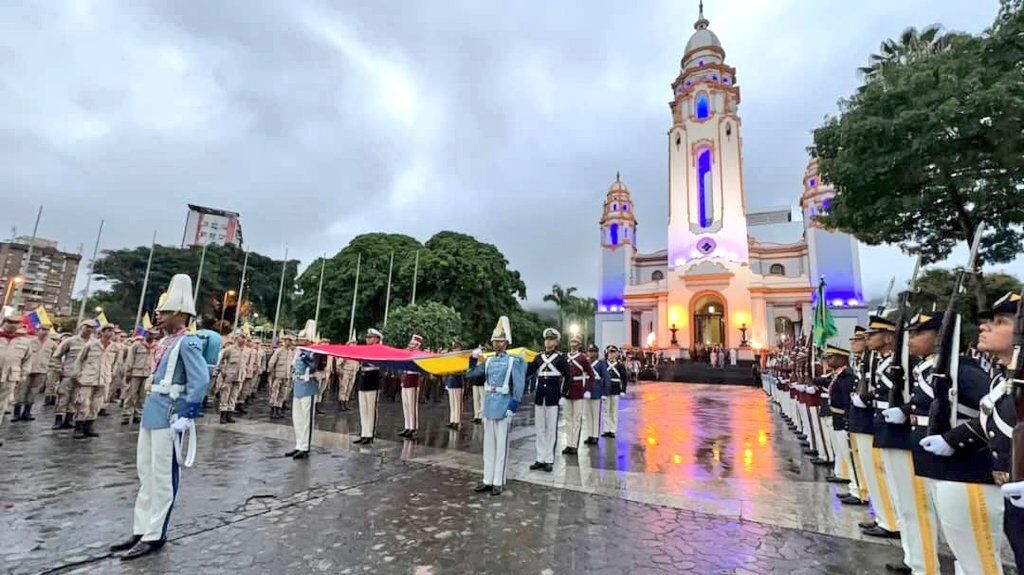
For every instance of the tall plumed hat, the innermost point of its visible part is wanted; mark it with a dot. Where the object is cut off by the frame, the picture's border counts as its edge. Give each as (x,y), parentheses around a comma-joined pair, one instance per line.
(308,332)
(178,297)
(502,331)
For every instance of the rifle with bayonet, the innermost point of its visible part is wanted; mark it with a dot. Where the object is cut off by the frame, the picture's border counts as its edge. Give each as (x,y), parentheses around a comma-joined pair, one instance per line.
(940,415)
(1016,372)
(902,378)
(866,378)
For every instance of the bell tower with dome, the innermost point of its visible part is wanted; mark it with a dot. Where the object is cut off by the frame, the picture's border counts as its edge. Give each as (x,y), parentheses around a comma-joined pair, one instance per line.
(618,248)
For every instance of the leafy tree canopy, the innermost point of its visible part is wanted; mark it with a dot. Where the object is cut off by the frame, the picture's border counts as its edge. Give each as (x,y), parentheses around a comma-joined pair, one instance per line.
(222,271)
(930,147)
(437,323)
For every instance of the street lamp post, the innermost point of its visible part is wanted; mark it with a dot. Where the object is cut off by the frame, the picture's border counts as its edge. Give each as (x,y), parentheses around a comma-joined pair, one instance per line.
(15,280)
(224,304)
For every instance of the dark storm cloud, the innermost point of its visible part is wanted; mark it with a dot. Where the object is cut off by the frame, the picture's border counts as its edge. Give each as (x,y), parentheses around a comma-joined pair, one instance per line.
(321,120)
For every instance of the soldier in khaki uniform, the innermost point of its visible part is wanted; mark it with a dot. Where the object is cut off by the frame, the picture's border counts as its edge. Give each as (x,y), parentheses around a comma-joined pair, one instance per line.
(280,375)
(25,394)
(138,367)
(15,358)
(249,372)
(93,370)
(113,357)
(53,371)
(117,383)
(346,370)
(67,356)
(231,373)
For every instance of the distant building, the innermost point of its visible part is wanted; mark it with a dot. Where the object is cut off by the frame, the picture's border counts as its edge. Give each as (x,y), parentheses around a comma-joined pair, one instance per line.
(730,277)
(49,277)
(211,226)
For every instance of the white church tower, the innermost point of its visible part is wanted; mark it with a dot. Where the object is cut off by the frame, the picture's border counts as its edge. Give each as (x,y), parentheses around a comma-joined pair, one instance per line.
(618,247)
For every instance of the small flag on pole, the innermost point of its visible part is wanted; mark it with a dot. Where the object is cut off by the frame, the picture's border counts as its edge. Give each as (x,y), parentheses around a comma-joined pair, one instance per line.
(101,320)
(147,324)
(824,323)
(36,319)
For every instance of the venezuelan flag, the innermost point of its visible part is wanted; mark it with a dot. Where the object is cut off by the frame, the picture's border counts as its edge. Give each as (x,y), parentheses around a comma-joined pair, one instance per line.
(36,319)
(101,320)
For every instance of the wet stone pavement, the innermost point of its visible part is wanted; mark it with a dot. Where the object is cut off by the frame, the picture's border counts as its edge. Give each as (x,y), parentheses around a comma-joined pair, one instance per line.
(701,479)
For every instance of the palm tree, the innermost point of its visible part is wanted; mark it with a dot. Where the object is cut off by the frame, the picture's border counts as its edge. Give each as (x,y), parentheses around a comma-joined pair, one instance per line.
(562,298)
(912,45)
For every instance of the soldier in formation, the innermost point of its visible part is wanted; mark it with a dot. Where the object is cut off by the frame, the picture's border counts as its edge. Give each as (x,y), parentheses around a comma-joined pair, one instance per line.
(42,347)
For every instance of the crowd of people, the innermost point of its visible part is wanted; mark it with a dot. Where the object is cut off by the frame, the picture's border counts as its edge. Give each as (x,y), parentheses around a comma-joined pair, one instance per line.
(924,437)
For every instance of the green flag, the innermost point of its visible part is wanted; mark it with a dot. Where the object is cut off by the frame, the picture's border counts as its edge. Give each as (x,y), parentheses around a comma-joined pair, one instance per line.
(824,323)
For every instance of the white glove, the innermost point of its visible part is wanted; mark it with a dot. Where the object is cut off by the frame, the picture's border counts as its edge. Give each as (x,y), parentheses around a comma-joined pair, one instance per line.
(562,401)
(894,415)
(858,401)
(478,352)
(586,395)
(937,445)
(508,413)
(181,424)
(1015,493)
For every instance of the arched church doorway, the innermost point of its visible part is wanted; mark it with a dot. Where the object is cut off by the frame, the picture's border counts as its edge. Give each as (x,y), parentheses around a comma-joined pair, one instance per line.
(709,320)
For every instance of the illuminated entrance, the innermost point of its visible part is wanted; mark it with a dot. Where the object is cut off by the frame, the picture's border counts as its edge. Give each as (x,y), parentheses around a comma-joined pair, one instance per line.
(709,320)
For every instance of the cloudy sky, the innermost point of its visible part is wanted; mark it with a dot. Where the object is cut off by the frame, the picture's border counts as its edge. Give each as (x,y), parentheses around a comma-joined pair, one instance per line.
(322,120)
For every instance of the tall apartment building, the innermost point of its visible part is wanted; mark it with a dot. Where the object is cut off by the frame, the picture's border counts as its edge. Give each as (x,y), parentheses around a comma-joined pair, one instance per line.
(211,226)
(49,276)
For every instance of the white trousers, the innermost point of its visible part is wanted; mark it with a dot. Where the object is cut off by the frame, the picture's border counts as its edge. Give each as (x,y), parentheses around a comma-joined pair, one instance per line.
(410,407)
(455,405)
(825,433)
(158,483)
(611,413)
(593,417)
(574,413)
(821,442)
(478,402)
(545,420)
(971,518)
(302,421)
(495,450)
(367,413)
(875,481)
(916,521)
(844,466)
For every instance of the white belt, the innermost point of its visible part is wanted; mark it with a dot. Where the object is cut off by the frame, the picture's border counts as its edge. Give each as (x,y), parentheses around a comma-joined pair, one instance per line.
(881,404)
(967,411)
(172,390)
(496,389)
(919,420)
(583,377)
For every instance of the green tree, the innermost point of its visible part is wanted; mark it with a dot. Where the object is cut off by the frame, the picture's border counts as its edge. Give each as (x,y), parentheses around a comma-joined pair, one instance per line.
(562,298)
(438,324)
(912,45)
(924,157)
(934,288)
(527,329)
(125,270)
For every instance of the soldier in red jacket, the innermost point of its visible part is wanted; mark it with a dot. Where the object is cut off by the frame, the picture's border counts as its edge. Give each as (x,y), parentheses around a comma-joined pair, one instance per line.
(410,393)
(577,391)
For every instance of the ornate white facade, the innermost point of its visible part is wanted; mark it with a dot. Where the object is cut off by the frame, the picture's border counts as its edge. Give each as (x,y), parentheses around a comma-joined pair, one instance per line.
(718,283)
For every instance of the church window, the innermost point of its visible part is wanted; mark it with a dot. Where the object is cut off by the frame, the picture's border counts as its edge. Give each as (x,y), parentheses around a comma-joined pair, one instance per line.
(703,107)
(625,207)
(615,207)
(714,77)
(705,208)
(824,206)
(614,233)
(728,130)
(657,276)
(812,182)
(725,80)
(700,63)
(679,140)
(777,270)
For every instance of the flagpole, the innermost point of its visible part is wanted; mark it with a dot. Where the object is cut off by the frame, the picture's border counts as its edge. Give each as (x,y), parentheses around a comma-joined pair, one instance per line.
(355,291)
(88,278)
(280,292)
(145,284)
(199,276)
(415,276)
(387,298)
(241,288)
(320,291)
(16,303)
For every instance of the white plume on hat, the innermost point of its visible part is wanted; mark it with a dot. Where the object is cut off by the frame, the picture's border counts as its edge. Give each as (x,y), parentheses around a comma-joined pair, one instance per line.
(502,331)
(308,332)
(374,333)
(178,297)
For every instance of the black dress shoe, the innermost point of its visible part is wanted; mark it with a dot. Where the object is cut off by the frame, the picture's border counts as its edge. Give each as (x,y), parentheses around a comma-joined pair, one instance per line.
(536,465)
(291,453)
(359,441)
(125,545)
(548,467)
(811,452)
(898,568)
(852,501)
(839,480)
(820,461)
(369,441)
(882,533)
(569,451)
(483,488)
(478,420)
(301,455)
(142,548)
(496,490)
(591,441)
(404,433)
(868,524)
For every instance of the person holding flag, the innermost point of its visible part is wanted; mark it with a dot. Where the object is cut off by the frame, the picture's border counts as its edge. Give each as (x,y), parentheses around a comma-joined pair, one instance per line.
(305,387)
(506,382)
(184,362)
(368,388)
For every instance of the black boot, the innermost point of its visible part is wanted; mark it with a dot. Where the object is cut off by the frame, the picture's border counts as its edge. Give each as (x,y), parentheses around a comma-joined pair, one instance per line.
(26,413)
(125,545)
(79,431)
(17,413)
(58,421)
(103,412)
(50,400)
(142,548)
(223,417)
(69,422)
(87,429)
(230,418)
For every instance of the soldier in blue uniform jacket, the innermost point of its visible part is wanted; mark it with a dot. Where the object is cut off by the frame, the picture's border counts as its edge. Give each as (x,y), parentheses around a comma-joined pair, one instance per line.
(552,371)
(592,413)
(179,384)
(305,388)
(506,381)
